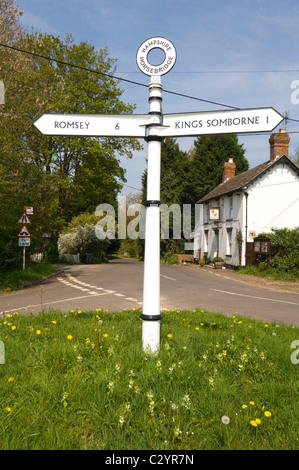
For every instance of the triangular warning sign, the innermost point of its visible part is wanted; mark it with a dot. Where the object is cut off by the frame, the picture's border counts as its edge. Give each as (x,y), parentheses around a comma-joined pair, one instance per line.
(24,232)
(24,219)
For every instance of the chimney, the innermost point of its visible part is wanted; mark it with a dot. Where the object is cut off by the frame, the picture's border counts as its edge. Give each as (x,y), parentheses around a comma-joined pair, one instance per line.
(229,169)
(279,144)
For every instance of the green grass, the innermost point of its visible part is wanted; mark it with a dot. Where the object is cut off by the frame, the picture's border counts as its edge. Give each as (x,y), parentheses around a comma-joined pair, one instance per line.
(80,380)
(13,279)
(271,273)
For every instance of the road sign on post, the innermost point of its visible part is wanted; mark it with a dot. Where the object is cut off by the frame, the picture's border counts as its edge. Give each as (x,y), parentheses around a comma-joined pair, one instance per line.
(24,241)
(24,235)
(154,127)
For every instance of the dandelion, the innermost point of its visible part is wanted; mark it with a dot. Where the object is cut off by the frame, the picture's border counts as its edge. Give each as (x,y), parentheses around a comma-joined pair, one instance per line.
(258,421)
(54,322)
(105,335)
(13,327)
(267,414)
(11,379)
(252,403)
(38,332)
(244,407)
(110,387)
(87,341)
(8,409)
(69,337)
(131,382)
(225,420)
(121,420)
(169,335)
(186,402)
(253,423)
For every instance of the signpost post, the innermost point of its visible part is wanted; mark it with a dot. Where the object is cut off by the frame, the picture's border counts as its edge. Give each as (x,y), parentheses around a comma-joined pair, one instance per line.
(154,127)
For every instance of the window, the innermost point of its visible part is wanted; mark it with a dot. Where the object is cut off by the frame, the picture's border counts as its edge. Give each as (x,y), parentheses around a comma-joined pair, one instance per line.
(228,242)
(231,207)
(206,240)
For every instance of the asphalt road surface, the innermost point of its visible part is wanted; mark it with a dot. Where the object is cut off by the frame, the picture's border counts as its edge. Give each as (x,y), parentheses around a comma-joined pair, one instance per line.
(119,284)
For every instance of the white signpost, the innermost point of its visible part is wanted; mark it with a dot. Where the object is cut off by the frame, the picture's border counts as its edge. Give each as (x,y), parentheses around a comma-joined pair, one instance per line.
(154,127)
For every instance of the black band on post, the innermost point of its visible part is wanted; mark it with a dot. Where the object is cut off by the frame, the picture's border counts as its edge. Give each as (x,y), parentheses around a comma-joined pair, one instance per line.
(151,138)
(152,203)
(151,317)
(151,98)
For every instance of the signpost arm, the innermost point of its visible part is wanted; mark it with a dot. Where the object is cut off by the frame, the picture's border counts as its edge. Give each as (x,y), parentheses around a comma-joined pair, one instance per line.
(151,315)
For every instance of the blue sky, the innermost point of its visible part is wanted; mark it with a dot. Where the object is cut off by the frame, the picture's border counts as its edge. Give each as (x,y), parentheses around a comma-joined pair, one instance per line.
(256,37)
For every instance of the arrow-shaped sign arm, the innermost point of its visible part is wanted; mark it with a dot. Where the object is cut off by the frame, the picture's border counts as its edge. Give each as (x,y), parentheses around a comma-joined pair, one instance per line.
(220,122)
(99,125)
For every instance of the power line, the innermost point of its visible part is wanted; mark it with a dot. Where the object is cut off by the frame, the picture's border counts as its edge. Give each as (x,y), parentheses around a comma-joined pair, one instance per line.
(86,69)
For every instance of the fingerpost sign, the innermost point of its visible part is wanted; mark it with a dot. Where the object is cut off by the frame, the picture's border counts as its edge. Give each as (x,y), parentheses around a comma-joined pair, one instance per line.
(154,127)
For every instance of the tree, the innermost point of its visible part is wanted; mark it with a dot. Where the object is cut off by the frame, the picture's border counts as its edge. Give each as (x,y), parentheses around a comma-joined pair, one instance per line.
(205,171)
(60,177)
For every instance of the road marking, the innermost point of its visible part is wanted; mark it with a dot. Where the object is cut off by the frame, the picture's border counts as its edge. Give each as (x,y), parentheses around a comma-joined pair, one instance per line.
(91,292)
(166,277)
(50,303)
(255,297)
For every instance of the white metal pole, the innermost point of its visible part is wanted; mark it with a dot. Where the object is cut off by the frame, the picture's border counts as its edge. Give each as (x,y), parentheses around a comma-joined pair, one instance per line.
(151,315)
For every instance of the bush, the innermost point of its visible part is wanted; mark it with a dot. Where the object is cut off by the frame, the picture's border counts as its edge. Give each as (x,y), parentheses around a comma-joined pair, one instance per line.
(284,248)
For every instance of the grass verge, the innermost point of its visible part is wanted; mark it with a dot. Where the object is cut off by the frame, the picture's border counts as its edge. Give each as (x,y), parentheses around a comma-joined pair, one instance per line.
(13,279)
(80,380)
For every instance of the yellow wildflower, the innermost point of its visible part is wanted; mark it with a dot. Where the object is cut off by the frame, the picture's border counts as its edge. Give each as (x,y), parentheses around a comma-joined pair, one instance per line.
(268,414)
(69,337)
(13,327)
(38,332)
(169,335)
(11,379)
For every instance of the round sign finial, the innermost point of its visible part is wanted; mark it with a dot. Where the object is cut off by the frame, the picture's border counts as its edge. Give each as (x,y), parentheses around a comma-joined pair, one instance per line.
(156,43)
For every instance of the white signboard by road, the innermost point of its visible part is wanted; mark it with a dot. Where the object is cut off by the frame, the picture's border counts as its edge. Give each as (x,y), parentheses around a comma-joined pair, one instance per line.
(24,241)
(98,125)
(220,122)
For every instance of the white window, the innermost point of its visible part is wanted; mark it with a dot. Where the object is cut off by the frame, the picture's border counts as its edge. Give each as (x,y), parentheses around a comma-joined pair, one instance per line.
(229,242)
(206,240)
(231,207)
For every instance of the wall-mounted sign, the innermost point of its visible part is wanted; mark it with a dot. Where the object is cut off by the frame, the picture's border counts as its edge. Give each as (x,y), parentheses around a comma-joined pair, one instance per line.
(156,43)
(215,213)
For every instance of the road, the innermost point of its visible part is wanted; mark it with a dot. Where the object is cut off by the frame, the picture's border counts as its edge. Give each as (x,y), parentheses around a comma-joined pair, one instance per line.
(119,284)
